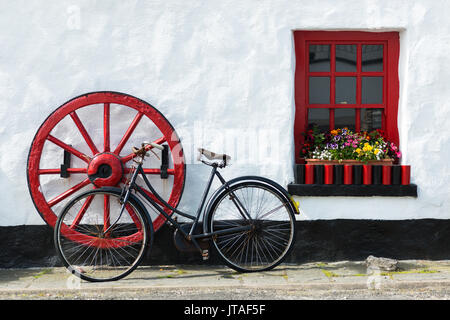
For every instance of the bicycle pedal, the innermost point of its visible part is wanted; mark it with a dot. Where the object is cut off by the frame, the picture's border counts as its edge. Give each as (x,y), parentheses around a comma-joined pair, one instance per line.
(205,254)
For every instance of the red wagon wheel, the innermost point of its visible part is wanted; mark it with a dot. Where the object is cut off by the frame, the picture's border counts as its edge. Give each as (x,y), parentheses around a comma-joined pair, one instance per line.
(92,135)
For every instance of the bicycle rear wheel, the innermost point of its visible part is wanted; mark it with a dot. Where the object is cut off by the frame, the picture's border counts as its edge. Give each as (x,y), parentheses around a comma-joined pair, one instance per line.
(272,226)
(93,254)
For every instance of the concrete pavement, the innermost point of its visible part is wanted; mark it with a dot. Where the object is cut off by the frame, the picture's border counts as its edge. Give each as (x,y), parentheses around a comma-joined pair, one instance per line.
(318,280)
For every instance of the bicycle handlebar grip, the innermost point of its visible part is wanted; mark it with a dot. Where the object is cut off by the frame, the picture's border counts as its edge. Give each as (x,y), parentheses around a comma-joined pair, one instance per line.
(157,146)
(154,145)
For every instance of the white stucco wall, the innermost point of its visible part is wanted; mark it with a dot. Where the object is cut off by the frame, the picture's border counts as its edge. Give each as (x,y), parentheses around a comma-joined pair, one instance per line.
(222,73)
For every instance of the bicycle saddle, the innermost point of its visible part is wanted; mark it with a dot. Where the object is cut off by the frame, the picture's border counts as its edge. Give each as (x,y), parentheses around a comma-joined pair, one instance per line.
(213,156)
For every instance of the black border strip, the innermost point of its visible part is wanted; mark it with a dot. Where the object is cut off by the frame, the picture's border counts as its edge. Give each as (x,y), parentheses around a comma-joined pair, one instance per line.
(329,190)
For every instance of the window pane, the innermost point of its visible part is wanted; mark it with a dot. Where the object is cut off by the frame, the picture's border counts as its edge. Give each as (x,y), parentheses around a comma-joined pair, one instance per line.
(372,57)
(319,90)
(319,117)
(344,118)
(319,58)
(345,90)
(371,119)
(372,90)
(346,58)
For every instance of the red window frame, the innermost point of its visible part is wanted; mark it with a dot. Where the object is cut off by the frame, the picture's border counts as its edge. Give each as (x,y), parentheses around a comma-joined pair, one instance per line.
(391,50)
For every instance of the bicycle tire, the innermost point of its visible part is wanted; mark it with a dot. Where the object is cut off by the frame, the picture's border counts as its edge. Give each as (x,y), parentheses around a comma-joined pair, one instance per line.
(89,253)
(260,243)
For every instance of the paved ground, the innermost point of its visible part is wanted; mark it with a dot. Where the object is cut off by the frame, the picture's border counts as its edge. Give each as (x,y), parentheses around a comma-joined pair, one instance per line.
(330,281)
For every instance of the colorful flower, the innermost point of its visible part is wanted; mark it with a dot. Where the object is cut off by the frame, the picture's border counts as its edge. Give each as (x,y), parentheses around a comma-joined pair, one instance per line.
(340,144)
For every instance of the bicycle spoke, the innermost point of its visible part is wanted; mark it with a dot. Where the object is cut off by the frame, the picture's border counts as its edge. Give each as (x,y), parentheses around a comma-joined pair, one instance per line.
(94,255)
(263,246)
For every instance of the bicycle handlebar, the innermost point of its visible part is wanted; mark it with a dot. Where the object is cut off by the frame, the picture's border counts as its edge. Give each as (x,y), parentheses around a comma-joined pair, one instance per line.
(145,147)
(154,145)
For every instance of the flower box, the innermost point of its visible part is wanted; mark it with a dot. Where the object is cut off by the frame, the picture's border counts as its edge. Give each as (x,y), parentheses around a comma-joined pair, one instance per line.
(382,162)
(342,146)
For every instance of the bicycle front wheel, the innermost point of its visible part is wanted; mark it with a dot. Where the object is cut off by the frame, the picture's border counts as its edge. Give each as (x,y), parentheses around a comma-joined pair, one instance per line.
(97,242)
(271,226)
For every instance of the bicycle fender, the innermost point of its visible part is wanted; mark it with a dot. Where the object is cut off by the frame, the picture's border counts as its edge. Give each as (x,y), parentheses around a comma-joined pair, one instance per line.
(294,204)
(231,182)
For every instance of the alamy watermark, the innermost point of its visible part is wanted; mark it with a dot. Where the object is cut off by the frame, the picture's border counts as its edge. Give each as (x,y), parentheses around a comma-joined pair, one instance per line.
(246,145)
(73,13)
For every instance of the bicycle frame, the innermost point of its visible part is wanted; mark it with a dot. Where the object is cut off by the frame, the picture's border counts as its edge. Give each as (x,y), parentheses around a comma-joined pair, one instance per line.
(190,236)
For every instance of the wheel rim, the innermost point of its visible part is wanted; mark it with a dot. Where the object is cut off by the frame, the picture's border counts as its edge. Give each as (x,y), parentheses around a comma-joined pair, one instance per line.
(271,235)
(91,151)
(93,254)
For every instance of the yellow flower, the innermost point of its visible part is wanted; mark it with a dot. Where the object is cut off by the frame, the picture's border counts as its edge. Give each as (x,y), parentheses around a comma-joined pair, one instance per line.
(376,151)
(358,150)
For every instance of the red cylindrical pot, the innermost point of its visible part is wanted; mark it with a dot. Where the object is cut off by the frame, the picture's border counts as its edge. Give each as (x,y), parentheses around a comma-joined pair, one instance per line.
(406,175)
(348,174)
(309,174)
(367,174)
(328,174)
(387,175)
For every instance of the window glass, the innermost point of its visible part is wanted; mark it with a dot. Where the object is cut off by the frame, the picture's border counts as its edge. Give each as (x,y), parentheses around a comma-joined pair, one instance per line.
(371,119)
(319,90)
(372,57)
(345,58)
(344,117)
(345,90)
(319,58)
(319,117)
(372,90)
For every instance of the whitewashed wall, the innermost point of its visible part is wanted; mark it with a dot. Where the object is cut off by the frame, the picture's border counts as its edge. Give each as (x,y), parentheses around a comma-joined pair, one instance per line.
(215,67)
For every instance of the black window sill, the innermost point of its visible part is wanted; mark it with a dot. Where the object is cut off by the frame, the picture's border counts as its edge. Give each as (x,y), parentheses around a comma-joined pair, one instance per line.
(352,190)
(318,187)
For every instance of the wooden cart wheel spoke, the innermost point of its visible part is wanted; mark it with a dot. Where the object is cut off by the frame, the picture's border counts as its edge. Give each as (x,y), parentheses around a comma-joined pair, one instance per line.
(68,192)
(133,217)
(152,171)
(95,121)
(128,133)
(68,148)
(106,213)
(58,171)
(85,237)
(106,128)
(83,132)
(81,213)
(160,219)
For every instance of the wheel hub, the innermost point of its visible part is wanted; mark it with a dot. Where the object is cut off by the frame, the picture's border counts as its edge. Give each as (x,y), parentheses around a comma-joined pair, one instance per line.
(105,169)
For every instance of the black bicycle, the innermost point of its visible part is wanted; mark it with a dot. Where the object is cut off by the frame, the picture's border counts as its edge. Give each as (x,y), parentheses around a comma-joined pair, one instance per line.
(103,234)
